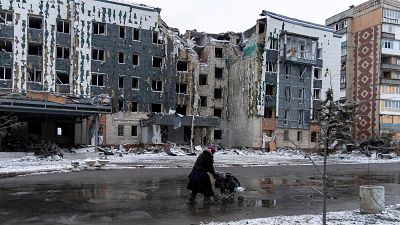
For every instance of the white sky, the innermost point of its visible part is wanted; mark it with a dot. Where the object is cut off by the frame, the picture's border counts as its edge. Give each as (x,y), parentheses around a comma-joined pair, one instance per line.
(217,16)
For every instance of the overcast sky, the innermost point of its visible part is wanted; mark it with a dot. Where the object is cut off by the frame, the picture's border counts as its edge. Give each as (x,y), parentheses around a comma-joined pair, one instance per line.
(216,16)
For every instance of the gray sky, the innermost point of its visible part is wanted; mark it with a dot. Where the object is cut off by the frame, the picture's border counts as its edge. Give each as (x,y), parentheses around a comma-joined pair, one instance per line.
(216,16)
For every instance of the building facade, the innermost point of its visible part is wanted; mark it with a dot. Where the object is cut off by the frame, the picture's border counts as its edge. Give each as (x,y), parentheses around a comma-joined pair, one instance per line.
(96,57)
(286,66)
(370,64)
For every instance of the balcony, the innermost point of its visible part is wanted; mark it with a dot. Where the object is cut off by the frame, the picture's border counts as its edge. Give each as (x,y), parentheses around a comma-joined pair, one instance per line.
(390,66)
(268,124)
(390,81)
(302,57)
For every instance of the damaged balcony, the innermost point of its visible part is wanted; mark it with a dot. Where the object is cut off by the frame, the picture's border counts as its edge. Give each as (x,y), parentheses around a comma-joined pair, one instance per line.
(43,102)
(298,49)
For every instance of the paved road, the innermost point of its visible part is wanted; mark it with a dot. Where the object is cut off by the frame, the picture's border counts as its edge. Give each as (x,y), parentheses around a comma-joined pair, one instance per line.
(157,196)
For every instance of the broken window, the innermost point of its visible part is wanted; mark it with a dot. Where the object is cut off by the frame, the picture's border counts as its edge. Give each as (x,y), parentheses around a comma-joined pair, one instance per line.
(302,71)
(121,57)
(98,79)
(182,66)
(155,37)
(203,101)
(301,95)
(121,81)
(218,112)
(286,135)
(62,53)
(317,73)
(268,112)
(34,49)
(317,94)
(122,32)
(6,18)
(287,117)
(6,45)
(217,93)
(288,94)
(269,89)
(99,28)
(299,136)
(35,76)
(133,106)
(5,73)
(157,62)
(261,27)
(203,79)
(120,130)
(217,134)
(62,77)
(35,22)
(218,53)
(135,59)
(273,43)
(181,88)
(156,107)
(301,117)
(63,26)
(219,73)
(271,67)
(136,34)
(287,71)
(156,85)
(181,109)
(134,131)
(314,136)
(120,105)
(135,83)
(98,54)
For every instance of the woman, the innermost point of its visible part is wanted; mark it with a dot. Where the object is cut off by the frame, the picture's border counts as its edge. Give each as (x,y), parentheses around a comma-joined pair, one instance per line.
(199,180)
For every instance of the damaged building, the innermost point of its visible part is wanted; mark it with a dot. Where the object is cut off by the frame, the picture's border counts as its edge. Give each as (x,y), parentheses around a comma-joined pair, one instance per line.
(263,83)
(75,68)
(285,67)
(88,71)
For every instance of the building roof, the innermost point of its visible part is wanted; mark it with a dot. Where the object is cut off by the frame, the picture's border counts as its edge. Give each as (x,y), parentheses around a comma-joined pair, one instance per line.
(131,4)
(296,21)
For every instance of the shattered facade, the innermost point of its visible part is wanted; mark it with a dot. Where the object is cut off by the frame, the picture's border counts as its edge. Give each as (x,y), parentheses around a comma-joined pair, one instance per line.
(370,64)
(286,66)
(78,59)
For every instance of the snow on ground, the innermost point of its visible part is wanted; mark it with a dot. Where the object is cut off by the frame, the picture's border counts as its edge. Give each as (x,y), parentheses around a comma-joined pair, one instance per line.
(17,164)
(390,216)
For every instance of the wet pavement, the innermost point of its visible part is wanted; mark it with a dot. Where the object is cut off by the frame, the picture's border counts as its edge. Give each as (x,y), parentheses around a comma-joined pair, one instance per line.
(157,196)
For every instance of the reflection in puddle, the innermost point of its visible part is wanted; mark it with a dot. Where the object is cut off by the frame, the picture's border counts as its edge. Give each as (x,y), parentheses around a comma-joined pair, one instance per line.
(269,203)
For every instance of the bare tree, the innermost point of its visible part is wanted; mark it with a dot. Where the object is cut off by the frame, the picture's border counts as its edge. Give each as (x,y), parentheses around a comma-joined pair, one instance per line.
(336,120)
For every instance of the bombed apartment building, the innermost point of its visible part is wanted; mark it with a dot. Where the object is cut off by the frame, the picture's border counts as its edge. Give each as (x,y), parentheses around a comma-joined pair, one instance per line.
(165,106)
(285,68)
(66,62)
(216,53)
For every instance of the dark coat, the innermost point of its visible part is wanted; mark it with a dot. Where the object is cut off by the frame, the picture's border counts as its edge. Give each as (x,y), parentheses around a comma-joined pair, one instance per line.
(199,180)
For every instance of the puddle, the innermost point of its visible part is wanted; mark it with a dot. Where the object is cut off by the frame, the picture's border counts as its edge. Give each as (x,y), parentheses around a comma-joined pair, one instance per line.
(161,199)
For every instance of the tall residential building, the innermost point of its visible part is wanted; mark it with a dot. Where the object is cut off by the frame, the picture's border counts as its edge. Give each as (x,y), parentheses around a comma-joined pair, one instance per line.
(285,67)
(371,64)
(62,63)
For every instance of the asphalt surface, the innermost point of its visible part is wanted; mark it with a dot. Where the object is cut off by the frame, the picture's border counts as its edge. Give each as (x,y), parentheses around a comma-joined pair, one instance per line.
(157,196)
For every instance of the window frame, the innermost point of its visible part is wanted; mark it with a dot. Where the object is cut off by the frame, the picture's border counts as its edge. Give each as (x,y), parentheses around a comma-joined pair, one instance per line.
(97,79)
(98,28)
(3,72)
